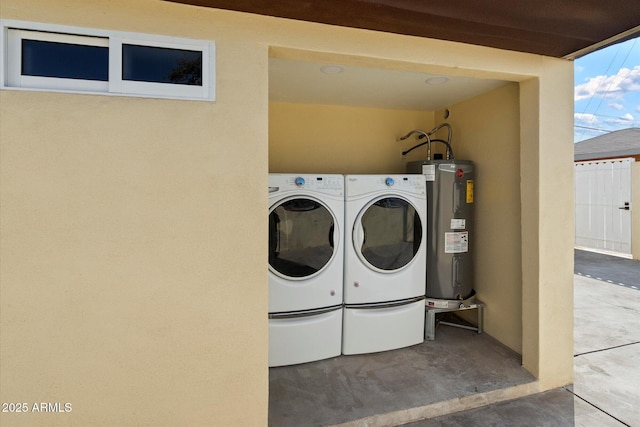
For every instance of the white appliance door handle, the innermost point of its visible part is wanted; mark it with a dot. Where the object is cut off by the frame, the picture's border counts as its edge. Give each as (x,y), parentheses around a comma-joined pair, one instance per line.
(358,235)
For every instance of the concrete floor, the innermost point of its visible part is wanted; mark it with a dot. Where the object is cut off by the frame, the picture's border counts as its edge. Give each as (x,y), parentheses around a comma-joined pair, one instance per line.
(464,379)
(607,347)
(606,389)
(397,386)
(555,408)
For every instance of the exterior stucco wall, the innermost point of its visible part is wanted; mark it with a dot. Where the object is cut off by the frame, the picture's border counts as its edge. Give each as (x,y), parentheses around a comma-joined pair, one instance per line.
(338,139)
(546,174)
(133,282)
(487,131)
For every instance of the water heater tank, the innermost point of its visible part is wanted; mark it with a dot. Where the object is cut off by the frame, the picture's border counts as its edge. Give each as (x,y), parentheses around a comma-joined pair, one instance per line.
(450,226)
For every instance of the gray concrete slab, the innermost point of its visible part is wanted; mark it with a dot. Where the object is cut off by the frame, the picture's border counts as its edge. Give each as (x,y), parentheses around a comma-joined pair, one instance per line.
(556,408)
(606,389)
(458,364)
(607,348)
(465,379)
(605,315)
(610,380)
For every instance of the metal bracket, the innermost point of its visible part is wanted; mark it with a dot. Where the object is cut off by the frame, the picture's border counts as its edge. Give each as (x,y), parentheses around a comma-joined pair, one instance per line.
(430,319)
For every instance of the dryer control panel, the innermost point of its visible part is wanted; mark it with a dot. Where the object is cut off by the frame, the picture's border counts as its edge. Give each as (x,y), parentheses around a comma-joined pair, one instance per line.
(364,184)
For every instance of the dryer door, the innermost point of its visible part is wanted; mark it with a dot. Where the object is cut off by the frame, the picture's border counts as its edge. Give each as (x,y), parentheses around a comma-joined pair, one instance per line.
(301,237)
(387,234)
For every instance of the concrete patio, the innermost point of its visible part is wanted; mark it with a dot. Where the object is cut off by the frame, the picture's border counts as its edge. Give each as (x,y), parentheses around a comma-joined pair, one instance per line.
(459,370)
(606,389)
(463,378)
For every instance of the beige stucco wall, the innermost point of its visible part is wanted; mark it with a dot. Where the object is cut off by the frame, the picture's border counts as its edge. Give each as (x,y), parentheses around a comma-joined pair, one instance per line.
(546,173)
(340,139)
(487,131)
(635,211)
(133,280)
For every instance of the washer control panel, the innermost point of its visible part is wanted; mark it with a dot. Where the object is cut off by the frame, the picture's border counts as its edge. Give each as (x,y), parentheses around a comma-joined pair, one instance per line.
(327,184)
(319,182)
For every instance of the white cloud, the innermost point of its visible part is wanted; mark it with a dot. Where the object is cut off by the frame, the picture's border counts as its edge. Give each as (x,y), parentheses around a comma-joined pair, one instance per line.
(616,106)
(609,87)
(585,119)
(625,121)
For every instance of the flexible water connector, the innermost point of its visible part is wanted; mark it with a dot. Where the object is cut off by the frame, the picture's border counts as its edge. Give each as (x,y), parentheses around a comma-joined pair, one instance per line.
(422,134)
(448,126)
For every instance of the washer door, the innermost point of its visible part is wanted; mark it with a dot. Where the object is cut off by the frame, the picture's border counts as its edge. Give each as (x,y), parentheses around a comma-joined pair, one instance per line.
(387,234)
(301,238)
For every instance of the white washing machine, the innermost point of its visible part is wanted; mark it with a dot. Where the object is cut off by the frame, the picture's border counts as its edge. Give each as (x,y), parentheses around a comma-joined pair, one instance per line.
(306,217)
(385,262)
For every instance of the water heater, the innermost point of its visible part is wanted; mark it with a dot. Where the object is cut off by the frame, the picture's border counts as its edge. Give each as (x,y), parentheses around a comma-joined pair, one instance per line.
(450,194)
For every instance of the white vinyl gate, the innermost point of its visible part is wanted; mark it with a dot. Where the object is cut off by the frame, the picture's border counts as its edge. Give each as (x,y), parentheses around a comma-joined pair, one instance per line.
(603,204)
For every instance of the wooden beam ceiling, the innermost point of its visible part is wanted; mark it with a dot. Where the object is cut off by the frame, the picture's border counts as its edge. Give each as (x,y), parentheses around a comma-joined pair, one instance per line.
(558,28)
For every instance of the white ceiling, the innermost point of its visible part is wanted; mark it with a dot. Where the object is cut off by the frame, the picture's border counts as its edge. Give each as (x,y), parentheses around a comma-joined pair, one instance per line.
(303,82)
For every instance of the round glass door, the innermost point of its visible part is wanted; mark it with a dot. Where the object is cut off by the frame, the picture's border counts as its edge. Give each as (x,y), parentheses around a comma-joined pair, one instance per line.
(388,234)
(301,239)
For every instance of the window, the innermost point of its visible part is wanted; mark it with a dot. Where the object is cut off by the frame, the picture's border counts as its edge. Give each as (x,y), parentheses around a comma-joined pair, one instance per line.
(57,61)
(48,57)
(161,65)
(64,60)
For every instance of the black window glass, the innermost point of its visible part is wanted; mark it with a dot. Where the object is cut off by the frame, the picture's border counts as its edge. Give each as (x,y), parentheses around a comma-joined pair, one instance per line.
(161,65)
(64,60)
(300,237)
(392,233)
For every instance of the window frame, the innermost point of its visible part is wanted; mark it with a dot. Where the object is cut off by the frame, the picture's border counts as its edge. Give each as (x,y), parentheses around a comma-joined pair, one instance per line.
(15,78)
(13,32)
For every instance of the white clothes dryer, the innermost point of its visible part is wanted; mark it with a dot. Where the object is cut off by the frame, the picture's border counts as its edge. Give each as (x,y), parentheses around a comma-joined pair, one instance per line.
(306,223)
(385,262)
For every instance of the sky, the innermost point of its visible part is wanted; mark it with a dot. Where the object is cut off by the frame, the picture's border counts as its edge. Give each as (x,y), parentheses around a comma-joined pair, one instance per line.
(607,90)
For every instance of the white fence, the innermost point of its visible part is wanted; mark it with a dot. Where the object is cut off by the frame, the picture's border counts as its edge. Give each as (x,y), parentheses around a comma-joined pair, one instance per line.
(603,204)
